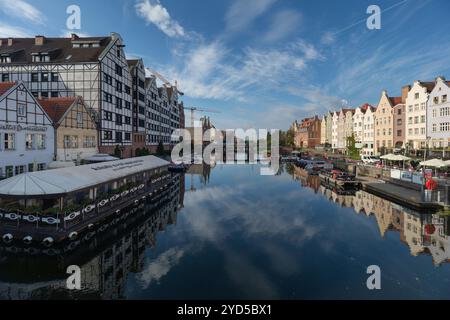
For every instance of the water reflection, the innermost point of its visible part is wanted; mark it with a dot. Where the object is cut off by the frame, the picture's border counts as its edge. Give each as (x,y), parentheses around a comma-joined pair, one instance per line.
(105,259)
(424,234)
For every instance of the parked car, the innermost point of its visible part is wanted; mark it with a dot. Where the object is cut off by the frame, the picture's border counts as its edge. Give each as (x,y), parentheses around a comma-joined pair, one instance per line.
(370,159)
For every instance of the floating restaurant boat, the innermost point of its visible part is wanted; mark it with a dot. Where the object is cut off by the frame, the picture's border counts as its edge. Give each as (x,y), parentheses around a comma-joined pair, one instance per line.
(57,205)
(338,178)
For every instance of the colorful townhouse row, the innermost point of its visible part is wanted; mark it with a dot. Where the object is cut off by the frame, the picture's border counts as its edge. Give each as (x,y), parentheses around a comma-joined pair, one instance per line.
(418,119)
(86,85)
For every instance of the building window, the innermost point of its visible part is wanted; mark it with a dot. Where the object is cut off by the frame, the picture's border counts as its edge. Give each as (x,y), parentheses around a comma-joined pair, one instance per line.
(70,142)
(21,110)
(44,77)
(119,103)
(35,77)
(9,171)
(5,77)
(436,100)
(444,112)
(118,70)
(35,94)
(444,98)
(79,118)
(127,136)
(9,141)
(445,127)
(416,96)
(118,136)
(118,119)
(127,120)
(434,127)
(422,119)
(6,59)
(29,141)
(108,135)
(20,169)
(44,94)
(89,142)
(41,167)
(55,77)
(399,133)
(40,141)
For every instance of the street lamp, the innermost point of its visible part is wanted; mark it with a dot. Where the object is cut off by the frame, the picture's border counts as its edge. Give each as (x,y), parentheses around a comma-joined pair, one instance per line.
(427,148)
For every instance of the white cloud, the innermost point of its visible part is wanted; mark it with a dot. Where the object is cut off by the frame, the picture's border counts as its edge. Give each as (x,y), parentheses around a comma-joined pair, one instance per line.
(283,24)
(7,31)
(161,266)
(153,12)
(23,10)
(210,71)
(242,13)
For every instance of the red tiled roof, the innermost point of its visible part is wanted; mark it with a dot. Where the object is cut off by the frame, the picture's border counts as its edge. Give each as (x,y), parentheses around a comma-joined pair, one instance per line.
(396,100)
(5,86)
(56,107)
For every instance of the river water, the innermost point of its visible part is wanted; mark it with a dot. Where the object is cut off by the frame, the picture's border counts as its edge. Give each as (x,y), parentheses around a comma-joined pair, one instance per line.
(229,233)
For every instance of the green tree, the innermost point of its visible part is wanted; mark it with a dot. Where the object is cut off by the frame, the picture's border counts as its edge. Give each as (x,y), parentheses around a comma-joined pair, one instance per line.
(352,151)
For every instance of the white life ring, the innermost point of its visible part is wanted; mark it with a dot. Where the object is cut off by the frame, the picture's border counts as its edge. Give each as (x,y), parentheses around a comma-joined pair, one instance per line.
(73,235)
(12,216)
(7,238)
(141,186)
(30,218)
(115,197)
(91,226)
(89,208)
(28,240)
(103,203)
(125,193)
(50,220)
(48,242)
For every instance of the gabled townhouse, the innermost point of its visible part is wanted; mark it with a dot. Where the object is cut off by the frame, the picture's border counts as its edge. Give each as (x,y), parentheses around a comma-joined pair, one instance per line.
(384,123)
(75,130)
(309,131)
(153,122)
(326,130)
(399,120)
(335,130)
(94,68)
(26,132)
(137,71)
(341,130)
(348,123)
(438,114)
(165,112)
(416,115)
(368,139)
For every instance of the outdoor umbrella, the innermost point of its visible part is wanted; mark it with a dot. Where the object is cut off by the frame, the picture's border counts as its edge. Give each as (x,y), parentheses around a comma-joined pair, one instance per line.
(401,158)
(434,163)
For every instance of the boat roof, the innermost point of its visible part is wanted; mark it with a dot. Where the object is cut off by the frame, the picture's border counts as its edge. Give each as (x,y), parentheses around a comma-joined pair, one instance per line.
(67,180)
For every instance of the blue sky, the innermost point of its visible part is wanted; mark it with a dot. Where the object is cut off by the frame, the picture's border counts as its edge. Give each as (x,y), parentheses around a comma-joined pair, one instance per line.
(262,63)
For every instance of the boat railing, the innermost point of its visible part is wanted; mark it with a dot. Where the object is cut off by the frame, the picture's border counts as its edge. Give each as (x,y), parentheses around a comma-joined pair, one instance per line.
(62,221)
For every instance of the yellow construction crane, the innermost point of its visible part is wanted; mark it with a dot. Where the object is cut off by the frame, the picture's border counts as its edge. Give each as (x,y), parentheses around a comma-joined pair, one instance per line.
(193,109)
(164,80)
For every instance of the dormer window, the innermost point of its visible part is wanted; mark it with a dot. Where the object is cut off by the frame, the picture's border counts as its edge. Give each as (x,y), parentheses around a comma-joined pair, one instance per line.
(40,58)
(5,59)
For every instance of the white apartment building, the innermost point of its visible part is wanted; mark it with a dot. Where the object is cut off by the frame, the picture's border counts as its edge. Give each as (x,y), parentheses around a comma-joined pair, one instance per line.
(26,132)
(368,134)
(335,130)
(416,114)
(438,114)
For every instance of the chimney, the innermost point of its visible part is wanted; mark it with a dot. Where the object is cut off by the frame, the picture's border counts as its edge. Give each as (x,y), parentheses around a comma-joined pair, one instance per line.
(10,42)
(39,40)
(405,91)
(74,37)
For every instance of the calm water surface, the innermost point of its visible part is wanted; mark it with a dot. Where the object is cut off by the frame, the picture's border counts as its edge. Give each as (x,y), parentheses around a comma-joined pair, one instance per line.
(230,233)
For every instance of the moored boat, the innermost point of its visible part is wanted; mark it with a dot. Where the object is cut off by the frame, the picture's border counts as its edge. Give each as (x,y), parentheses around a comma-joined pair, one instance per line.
(338,178)
(56,205)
